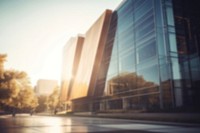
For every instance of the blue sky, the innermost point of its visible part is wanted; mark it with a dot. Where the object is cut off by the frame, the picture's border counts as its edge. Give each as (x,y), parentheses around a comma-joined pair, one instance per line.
(33,32)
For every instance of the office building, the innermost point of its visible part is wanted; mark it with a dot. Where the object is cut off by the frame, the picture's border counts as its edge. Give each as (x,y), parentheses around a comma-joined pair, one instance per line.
(71,56)
(45,86)
(89,65)
(148,62)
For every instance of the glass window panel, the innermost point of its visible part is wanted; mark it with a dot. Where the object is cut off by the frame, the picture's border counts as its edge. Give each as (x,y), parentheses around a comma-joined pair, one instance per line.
(172,41)
(128,18)
(165,72)
(144,22)
(170,16)
(178,97)
(145,30)
(140,19)
(125,31)
(185,70)
(126,44)
(147,51)
(160,42)
(125,26)
(127,81)
(138,3)
(159,13)
(147,38)
(113,67)
(195,69)
(127,5)
(148,77)
(127,62)
(176,69)
(146,6)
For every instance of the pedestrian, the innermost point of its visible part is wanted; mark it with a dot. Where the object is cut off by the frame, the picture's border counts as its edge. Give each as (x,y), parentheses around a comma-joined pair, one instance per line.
(55,111)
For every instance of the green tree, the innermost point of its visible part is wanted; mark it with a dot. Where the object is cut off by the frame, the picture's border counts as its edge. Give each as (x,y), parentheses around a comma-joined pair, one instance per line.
(53,100)
(15,89)
(41,103)
(2,60)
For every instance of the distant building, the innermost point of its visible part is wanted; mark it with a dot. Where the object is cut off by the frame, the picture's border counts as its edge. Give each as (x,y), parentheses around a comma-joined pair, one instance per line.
(45,87)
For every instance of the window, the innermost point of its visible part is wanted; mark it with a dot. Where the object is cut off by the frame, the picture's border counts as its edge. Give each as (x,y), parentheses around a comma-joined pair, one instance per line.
(170,16)
(148,77)
(147,51)
(172,41)
(127,62)
(146,6)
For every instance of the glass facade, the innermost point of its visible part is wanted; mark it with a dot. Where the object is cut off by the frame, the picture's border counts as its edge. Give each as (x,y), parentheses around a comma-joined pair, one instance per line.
(133,76)
(147,60)
(187,25)
(150,60)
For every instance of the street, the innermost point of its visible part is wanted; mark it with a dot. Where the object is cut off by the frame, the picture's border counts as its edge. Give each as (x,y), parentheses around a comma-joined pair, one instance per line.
(24,123)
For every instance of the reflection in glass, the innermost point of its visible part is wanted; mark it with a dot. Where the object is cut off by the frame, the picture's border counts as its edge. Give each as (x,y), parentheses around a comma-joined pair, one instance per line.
(129,81)
(147,51)
(134,45)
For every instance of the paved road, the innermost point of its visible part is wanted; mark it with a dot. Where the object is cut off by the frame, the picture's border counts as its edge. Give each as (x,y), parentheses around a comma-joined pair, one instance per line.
(49,124)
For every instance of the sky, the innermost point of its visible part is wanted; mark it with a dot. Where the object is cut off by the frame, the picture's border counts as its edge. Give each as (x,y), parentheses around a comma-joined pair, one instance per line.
(34,32)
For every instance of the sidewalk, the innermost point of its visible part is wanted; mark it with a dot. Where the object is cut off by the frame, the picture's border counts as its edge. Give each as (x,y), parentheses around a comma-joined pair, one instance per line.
(189,118)
(164,117)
